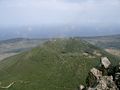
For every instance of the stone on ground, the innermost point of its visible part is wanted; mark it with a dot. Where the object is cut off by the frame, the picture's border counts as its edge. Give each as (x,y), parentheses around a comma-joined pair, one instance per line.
(105,62)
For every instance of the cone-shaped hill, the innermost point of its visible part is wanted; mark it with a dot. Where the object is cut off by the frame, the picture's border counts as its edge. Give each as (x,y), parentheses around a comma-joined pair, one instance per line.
(59,64)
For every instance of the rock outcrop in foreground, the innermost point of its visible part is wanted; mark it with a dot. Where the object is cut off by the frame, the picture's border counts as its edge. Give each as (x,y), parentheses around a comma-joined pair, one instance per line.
(105,77)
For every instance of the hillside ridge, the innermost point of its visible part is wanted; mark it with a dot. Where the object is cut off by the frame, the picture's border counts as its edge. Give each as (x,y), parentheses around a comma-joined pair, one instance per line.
(59,64)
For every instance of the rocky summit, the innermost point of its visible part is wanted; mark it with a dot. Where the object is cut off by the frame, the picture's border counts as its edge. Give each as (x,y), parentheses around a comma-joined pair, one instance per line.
(105,77)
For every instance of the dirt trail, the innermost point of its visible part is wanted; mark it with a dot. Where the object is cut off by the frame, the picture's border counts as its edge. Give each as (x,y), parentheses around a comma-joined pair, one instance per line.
(6,87)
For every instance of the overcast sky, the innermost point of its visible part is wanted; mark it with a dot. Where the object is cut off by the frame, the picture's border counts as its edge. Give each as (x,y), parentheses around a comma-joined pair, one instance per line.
(52,12)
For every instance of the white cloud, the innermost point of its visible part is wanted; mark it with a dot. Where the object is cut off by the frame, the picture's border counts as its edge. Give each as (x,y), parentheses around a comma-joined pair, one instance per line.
(59,11)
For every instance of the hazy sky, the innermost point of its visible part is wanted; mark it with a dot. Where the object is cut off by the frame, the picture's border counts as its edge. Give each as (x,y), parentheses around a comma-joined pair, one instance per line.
(55,12)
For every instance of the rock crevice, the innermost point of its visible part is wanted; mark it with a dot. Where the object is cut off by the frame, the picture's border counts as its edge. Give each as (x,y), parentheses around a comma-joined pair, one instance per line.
(106,77)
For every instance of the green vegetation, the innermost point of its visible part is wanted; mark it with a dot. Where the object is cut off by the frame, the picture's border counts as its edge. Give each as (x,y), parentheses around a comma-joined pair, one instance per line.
(59,64)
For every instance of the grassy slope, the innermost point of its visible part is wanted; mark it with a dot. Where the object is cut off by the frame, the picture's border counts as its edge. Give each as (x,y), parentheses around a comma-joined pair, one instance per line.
(58,65)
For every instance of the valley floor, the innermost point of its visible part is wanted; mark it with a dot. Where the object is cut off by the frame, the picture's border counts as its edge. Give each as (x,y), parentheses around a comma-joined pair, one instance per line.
(6,55)
(113,51)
